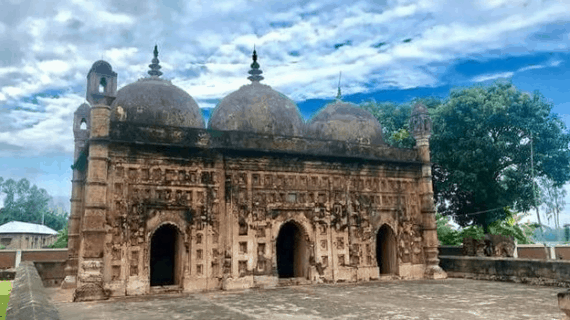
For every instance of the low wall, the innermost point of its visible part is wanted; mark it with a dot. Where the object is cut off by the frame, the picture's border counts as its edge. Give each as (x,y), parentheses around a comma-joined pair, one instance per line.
(524,251)
(7,274)
(51,272)
(36,255)
(533,271)
(533,251)
(28,299)
(450,250)
(562,252)
(7,259)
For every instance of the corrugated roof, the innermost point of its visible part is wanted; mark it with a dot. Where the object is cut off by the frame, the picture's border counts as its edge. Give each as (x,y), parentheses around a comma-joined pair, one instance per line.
(25,227)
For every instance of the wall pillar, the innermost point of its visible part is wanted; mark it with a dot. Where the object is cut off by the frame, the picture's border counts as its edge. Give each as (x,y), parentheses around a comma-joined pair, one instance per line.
(91,263)
(420,125)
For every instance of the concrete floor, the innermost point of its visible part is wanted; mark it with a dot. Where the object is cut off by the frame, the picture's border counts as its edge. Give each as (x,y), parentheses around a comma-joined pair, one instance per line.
(418,299)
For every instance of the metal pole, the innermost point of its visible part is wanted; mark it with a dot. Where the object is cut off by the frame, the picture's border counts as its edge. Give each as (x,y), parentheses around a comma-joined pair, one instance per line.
(533,188)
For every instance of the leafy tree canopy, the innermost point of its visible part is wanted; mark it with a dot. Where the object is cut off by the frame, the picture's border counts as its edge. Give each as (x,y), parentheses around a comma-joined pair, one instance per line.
(481,146)
(28,203)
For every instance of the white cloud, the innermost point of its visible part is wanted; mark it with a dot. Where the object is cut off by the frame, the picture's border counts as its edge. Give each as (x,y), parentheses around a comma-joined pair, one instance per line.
(486,77)
(206,49)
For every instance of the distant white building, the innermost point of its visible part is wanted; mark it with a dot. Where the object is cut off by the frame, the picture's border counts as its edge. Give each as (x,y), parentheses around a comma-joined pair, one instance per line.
(16,235)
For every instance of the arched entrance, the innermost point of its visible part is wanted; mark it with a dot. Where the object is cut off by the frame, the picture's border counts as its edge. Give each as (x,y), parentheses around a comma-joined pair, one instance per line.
(292,252)
(164,260)
(386,250)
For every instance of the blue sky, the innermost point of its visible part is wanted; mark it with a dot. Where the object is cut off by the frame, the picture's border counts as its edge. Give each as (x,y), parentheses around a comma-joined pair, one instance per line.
(386,50)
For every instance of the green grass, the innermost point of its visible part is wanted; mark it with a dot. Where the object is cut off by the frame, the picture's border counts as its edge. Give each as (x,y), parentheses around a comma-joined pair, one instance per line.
(5,289)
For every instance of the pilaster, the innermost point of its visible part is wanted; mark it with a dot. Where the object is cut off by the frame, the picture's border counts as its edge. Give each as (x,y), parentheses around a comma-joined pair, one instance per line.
(90,273)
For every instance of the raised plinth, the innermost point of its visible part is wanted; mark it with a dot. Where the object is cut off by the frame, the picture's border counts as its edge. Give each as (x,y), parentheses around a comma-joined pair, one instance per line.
(564,302)
(90,292)
(435,272)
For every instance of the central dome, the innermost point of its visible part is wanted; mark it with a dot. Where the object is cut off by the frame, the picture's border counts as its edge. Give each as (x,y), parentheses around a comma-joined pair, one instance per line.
(257,108)
(156,101)
(345,121)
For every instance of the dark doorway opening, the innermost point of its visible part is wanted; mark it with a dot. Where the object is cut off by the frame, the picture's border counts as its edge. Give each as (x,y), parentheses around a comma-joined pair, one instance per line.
(163,248)
(291,252)
(386,250)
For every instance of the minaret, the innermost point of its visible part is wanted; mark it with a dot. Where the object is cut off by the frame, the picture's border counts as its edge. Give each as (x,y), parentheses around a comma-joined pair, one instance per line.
(255,72)
(95,204)
(420,125)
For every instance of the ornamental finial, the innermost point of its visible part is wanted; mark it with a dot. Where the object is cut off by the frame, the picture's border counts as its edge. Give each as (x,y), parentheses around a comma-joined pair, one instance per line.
(255,72)
(338,95)
(154,66)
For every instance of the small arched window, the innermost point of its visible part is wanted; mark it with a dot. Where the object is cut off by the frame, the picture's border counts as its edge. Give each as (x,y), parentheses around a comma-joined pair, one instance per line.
(83,124)
(102,85)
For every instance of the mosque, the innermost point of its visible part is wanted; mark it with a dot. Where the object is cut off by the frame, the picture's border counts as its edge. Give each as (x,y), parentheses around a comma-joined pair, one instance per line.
(162,202)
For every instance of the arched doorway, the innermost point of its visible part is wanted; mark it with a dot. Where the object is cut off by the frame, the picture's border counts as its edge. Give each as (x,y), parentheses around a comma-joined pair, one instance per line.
(386,250)
(292,252)
(164,260)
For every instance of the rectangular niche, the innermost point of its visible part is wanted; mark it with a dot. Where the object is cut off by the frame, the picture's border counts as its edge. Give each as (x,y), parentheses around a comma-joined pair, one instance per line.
(261,249)
(242,267)
(261,265)
(325,261)
(116,273)
(243,247)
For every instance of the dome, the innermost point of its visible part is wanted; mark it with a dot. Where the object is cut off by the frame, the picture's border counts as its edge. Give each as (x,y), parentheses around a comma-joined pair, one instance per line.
(102,67)
(156,101)
(257,108)
(345,121)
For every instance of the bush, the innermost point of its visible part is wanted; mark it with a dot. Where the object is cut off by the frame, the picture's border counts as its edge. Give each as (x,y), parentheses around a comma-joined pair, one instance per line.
(61,241)
(508,227)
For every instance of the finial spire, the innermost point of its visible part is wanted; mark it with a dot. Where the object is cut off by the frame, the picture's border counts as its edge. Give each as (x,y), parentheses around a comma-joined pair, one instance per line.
(255,72)
(154,66)
(338,95)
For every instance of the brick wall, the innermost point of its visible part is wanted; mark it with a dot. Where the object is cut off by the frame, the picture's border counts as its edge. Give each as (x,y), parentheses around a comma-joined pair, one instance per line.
(44,255)
(535,251)
(562,252)
(7,259)
(51,273)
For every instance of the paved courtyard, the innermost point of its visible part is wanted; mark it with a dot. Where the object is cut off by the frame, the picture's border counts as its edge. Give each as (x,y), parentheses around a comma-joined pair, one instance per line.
(441,299)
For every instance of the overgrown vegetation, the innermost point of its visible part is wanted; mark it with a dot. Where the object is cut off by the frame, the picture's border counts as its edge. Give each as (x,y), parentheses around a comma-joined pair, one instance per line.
(511,226)
(61,241)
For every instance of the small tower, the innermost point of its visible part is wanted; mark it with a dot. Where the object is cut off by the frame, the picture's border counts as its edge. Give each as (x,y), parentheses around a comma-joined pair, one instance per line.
(101,84)
(82,123)
(420,127)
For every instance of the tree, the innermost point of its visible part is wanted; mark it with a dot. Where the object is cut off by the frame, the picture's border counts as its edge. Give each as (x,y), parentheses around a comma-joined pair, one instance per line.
(481,146)
(27,203)
(394,119)
(481,150)
(552,198)
(61,241)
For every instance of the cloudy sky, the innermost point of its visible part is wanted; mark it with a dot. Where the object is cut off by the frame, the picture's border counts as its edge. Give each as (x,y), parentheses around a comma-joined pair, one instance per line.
(386,50)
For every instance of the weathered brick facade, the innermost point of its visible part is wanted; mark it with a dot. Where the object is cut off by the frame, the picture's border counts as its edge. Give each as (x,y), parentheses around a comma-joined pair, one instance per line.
(235,209)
